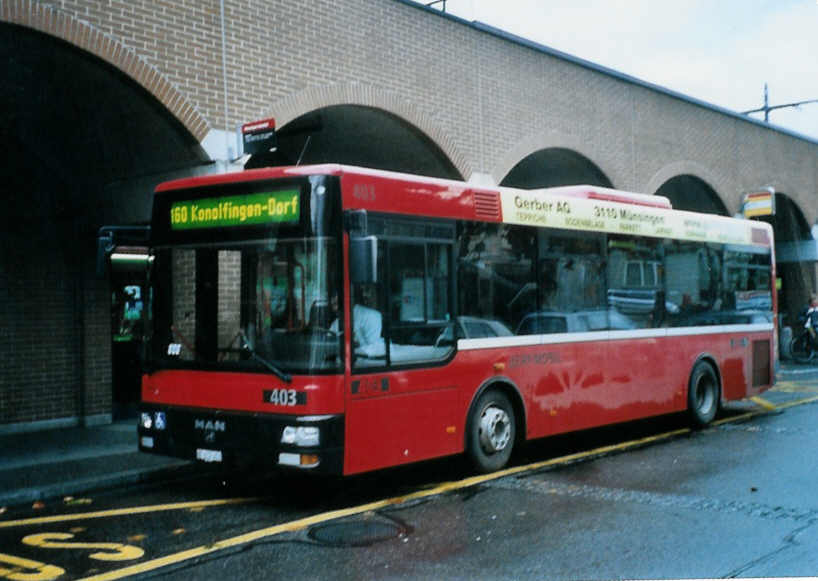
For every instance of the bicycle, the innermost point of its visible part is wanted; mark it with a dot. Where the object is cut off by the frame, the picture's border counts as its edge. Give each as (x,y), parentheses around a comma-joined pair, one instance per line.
(803,347)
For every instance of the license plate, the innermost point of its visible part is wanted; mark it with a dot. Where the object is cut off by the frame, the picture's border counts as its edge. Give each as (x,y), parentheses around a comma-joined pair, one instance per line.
(208,455)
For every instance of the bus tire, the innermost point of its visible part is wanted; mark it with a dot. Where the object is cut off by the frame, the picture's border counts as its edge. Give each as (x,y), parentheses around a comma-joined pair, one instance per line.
(492,429)
(703,395)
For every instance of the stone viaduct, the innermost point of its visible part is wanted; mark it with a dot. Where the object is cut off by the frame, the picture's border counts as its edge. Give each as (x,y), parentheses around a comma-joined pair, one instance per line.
(104,99)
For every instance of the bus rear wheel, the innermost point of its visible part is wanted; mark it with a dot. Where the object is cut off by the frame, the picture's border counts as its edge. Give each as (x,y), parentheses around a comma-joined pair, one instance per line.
(702,395)
(492,431)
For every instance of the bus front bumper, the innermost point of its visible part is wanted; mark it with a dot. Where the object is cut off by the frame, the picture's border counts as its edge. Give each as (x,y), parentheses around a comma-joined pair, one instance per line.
(312,443)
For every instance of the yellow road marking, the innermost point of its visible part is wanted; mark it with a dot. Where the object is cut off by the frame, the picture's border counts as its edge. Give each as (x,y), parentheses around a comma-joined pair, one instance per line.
(107,551)
(303,523)
(796,387)
(122,512)
(763,403)
(798,402)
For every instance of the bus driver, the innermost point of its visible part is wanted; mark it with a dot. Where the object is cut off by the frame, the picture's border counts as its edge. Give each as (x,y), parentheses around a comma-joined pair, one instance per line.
(367,323)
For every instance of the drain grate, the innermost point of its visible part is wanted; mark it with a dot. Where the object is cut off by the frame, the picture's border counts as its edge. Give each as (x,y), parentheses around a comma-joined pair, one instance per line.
(356,533)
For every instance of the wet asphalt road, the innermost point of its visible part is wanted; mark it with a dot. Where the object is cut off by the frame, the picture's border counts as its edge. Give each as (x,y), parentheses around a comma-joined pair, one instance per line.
(735,500)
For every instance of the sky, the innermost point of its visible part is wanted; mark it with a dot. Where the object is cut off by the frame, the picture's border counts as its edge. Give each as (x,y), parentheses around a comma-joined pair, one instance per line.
(719,51)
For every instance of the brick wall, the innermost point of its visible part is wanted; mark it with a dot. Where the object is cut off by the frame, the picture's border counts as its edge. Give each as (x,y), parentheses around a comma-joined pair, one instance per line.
(229,300)
(184,299)
(96,346)
(478,96)
(39,368)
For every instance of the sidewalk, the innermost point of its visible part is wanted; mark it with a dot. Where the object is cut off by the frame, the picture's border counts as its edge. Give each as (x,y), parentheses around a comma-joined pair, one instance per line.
(71,461)
(792,371)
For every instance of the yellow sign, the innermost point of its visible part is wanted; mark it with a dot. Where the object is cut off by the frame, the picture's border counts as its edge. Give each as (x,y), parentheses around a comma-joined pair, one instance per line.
(235,210)
(536,209)
(761,203)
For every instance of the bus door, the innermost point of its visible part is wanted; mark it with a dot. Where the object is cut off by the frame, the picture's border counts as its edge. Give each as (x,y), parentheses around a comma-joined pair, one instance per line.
(402,399)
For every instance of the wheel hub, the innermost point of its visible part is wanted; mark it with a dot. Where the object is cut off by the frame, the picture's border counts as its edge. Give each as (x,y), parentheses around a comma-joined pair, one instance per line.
(495,429)
(704,396)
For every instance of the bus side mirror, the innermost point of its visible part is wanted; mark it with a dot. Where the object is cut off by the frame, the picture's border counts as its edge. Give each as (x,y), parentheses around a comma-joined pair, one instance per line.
(363,259)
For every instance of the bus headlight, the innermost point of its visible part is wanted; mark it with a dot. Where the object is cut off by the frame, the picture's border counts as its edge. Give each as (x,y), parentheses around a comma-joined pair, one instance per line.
(301,435)
(146,420)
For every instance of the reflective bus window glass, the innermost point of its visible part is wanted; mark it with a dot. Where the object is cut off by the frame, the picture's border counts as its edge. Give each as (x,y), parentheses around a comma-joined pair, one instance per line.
(693,283)
(183,324)
(369,317)
(747,292)
(571,284)
(406,317)
(229,297)
(496,281)
(636,296)
(248,306)
(420,312)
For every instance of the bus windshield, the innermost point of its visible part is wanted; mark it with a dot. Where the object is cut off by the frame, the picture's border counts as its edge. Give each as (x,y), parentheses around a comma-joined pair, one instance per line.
(262,306)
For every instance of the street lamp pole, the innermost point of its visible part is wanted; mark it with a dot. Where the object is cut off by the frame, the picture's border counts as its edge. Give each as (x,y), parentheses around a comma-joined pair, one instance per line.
(767,108)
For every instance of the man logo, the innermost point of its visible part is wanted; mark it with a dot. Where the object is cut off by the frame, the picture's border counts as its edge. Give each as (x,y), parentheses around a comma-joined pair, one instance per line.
(210,425)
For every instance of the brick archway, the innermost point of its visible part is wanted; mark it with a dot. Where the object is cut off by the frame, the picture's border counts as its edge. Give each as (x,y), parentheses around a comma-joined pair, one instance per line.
(550,140)
(697,170)
(320,97)
(48,20)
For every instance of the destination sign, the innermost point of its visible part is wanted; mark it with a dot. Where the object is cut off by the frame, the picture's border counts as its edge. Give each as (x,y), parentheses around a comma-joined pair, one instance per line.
(227,212)
(602,216)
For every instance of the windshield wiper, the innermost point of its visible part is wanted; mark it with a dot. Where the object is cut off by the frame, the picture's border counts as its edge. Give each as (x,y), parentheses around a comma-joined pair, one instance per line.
(249,349)
(183,340)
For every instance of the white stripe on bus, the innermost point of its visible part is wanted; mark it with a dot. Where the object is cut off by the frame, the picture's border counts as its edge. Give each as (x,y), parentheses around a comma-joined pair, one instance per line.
(607,335)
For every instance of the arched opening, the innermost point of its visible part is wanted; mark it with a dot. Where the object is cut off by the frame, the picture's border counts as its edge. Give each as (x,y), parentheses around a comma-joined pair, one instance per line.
(795,257)
(555,166)
(687,192)
(357,135)
(78,134)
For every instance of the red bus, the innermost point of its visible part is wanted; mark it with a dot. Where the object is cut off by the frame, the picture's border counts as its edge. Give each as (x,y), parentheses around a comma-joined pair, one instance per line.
(339,320)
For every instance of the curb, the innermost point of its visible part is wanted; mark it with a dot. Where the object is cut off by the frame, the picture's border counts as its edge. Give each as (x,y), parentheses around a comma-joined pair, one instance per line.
(790,374)
(83,485)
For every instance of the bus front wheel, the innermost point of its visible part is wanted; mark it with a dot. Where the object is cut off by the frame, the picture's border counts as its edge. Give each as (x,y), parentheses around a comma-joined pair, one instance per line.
(702,395)
(492,431)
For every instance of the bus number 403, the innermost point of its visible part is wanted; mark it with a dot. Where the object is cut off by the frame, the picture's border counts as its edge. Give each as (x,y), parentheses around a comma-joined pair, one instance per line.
(285,397)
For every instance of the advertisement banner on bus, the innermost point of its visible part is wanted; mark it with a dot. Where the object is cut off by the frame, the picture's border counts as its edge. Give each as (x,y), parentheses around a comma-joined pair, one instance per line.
(534,209)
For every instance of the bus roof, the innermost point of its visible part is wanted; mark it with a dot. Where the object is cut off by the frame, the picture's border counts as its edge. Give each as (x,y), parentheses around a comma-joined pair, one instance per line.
(578,207)
(249,175)
(577,191)
(608,194)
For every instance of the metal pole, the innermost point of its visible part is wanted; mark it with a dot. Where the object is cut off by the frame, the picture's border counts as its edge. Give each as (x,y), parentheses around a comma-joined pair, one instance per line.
(767,107)
(227,153)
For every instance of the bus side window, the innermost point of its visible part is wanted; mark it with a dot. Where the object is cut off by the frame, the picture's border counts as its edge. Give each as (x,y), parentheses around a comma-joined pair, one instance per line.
(414,302)
(369,316)
(420,299)
(496,275)
(636,291)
